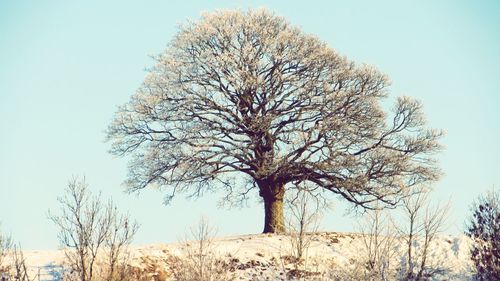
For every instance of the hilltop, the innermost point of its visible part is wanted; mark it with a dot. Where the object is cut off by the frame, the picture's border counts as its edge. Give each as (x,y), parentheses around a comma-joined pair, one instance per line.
(330,256)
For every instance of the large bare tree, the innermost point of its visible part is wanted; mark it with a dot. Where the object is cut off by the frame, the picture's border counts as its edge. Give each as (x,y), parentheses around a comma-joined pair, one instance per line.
(243,100)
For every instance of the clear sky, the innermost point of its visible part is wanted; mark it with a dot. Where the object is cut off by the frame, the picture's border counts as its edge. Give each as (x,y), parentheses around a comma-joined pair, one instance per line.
(66,65)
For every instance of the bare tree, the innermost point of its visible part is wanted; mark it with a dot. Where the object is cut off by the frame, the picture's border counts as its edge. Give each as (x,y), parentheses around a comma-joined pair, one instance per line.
(199,260)
(20,269)
(424,222)
(122,232)
(87,226)
(380,246)
(304,208)
(83,228)
(304,213)
(410,236)
(412,206)
(247,95)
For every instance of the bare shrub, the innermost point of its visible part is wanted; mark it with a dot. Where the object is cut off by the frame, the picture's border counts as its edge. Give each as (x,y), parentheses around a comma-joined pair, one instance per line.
(95,236)
(199,259)
(12,261)
(356,271)
(5,247)
(151,269)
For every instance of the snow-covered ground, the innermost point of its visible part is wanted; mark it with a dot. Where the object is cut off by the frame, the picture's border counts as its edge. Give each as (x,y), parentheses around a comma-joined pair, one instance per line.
(267,257)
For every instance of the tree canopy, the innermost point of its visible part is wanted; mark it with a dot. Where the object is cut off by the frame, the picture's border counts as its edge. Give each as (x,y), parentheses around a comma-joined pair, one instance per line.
(243,100)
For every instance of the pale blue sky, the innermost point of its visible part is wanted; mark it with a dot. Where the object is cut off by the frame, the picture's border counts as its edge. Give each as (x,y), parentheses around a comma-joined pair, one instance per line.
(66,65)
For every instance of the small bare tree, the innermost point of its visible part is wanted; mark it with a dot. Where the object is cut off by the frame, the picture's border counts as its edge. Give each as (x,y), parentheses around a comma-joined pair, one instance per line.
(380,245)
(19,269)
(199,260)
(83,229)
(304,214)
(116,252)
(304,211)
(424,222)
(87,226)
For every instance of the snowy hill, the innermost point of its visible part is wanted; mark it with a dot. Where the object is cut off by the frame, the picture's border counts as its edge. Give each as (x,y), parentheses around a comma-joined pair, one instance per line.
(330,256)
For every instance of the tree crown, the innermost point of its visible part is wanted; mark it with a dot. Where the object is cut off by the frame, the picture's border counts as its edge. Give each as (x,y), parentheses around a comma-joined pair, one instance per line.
(245,93)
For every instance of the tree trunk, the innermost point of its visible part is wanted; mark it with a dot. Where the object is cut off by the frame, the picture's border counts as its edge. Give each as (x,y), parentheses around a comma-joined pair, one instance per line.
(272,194)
